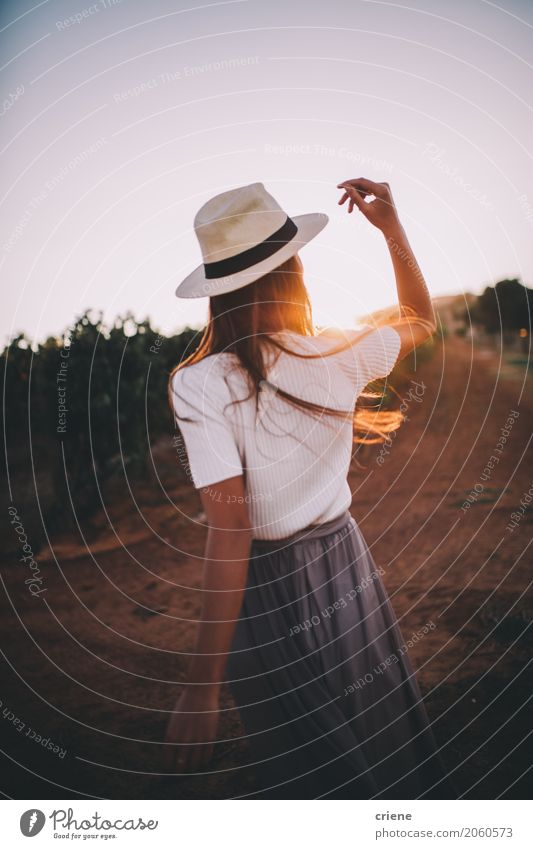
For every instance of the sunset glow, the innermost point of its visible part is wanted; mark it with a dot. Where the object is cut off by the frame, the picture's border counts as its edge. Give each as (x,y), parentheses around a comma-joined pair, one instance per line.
(120,123)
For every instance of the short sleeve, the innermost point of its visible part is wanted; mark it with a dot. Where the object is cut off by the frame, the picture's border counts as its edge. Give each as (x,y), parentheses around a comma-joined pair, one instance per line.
(200,398)
(374,356)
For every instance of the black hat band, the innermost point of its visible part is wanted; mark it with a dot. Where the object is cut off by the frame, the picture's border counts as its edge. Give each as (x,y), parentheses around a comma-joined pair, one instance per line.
(253,255)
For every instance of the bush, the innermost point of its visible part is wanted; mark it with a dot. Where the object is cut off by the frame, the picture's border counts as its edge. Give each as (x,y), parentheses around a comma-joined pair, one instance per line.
(508,306)
(80,408)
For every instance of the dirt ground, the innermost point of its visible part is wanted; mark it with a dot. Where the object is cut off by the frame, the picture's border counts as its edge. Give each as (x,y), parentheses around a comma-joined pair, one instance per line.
(91,667)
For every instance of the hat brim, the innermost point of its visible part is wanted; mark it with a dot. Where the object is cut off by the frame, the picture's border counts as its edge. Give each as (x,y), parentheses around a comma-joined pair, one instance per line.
(197,285)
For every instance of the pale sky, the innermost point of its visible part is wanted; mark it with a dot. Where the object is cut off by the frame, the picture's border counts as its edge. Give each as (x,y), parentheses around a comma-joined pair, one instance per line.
(120,124)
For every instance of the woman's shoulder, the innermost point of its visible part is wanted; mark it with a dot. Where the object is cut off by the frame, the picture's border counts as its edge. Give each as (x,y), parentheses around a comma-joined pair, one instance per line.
(321,337)
(372,335)
(342,334)
(365,352)
(206,377)
(202,387)
(332,337)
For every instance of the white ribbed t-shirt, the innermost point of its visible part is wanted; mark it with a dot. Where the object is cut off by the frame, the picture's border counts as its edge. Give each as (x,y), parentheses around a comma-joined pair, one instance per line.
(295,464)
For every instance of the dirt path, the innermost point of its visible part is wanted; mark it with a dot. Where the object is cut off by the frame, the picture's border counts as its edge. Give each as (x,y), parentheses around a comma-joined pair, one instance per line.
(93,664)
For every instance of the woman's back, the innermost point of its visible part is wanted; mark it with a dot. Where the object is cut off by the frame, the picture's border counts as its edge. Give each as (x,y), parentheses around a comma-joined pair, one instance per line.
(294,613)
(295,464)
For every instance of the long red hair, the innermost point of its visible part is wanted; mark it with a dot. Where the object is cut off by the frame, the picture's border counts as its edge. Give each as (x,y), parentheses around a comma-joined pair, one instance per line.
(241,322)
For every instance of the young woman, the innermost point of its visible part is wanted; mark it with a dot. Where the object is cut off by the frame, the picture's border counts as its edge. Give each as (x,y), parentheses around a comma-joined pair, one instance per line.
(295,615)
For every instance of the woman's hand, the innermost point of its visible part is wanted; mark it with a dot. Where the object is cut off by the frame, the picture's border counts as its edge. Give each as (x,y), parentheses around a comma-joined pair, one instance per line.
(381,212)
(194,726)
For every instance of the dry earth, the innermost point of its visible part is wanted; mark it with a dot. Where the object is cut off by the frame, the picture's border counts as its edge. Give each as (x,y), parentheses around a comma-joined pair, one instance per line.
(94,663)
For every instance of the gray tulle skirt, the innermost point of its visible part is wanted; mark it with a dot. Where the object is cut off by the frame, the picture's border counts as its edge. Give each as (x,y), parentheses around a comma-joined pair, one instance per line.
(320,675)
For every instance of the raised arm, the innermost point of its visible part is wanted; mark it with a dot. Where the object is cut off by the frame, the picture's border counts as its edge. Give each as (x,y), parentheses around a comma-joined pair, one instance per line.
(417,320)
(193,724)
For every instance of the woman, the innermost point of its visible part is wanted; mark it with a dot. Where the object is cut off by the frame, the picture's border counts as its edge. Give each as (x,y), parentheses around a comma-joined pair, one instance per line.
(295,615)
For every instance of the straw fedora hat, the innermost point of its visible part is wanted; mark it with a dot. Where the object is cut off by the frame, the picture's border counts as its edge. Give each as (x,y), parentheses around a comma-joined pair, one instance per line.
(243,234)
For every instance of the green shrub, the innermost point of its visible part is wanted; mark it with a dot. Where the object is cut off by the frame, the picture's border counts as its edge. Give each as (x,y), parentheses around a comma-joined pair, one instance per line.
(80,408)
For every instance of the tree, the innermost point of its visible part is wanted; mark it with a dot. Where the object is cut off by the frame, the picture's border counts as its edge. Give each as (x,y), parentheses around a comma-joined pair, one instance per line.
(507,306)
(81,407)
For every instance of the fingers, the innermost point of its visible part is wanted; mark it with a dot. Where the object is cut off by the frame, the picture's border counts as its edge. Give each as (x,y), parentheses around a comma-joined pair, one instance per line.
(190,738)
(184,753)
(362,183)
(200,757)
(368,187)
(180,759)
(169,756)
(355,199)
(348,194)
(183,759)
(351,186)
